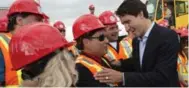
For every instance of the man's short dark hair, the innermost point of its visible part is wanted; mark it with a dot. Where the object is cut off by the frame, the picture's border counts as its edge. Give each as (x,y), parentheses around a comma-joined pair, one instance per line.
(132,7)
(12,20)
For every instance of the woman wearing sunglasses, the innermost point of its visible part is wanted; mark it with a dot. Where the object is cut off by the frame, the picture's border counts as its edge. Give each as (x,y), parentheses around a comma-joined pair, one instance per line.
(88,32)
(44,60)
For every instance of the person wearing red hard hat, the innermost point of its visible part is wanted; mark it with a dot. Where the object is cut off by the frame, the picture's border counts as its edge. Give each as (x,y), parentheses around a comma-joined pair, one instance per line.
(88,32)
(61,27)
(154,56)
(120,47)
(20,13)
(3,24)
(92,9)
(44,59)
(182,62)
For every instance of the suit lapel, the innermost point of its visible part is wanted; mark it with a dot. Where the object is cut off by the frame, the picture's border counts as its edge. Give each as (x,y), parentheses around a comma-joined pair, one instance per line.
(150,44)
(136,53)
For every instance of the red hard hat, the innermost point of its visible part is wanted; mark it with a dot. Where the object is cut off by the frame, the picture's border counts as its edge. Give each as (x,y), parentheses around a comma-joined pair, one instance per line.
(164,23)
(3,24)
(29,6)
(178,31)
(32,42)
(59,25)
(107,17)
(91,6)
(84,24)
(184,33)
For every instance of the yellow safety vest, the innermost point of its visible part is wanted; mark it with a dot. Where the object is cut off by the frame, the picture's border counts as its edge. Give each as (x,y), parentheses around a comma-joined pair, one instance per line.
(125,50)
(182,66)
(12,78)
(73,50)
(92,65)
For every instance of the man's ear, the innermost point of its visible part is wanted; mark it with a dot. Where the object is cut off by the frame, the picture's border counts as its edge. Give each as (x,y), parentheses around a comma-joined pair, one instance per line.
(19,20)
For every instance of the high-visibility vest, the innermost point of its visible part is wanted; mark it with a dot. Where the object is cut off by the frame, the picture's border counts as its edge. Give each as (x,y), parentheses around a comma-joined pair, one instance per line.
(92,65)
(125,50)
(73,50)
(12,78)
(182,66)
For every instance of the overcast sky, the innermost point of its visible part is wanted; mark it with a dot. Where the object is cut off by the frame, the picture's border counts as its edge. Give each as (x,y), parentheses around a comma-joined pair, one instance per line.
(69,10)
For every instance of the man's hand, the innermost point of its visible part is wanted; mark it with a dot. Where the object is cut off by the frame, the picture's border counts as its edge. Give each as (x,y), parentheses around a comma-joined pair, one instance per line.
(109,76)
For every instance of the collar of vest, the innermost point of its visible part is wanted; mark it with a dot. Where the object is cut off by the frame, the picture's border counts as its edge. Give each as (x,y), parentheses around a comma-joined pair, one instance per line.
(121,38)
(96,58)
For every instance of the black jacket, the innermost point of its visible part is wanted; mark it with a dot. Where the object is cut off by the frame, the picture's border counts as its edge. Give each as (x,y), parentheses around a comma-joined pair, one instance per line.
(159,65)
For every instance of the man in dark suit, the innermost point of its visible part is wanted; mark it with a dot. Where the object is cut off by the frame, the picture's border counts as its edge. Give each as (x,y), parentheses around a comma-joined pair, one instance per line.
(155,50)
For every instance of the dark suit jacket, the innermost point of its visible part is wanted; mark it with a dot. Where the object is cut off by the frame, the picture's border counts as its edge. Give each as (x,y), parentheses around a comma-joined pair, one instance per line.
(159,65)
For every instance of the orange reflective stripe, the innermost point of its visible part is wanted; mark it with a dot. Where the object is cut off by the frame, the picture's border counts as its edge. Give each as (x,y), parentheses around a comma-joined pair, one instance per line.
(112,53)
(19,73)
(123,53)
(11,77)
(8,35)
(182,61)
(125,49)
(92,65)
(182,66)
(185,58)
(73,50)
(129,41)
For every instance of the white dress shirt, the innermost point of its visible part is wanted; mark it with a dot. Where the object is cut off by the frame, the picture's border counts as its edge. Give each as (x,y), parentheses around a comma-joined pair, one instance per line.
(142,43)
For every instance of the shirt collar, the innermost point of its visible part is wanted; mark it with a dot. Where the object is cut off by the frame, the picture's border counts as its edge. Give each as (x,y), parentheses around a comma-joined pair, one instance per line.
(148,32)
(96,58)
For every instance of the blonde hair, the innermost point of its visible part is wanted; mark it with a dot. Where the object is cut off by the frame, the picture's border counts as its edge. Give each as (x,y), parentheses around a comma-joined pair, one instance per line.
(59,72)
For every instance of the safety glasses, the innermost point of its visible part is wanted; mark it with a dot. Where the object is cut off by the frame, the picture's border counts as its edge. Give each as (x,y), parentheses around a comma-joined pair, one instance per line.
(100,38)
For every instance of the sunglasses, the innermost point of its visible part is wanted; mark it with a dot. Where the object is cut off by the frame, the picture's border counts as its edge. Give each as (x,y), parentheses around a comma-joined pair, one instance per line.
(100,38)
